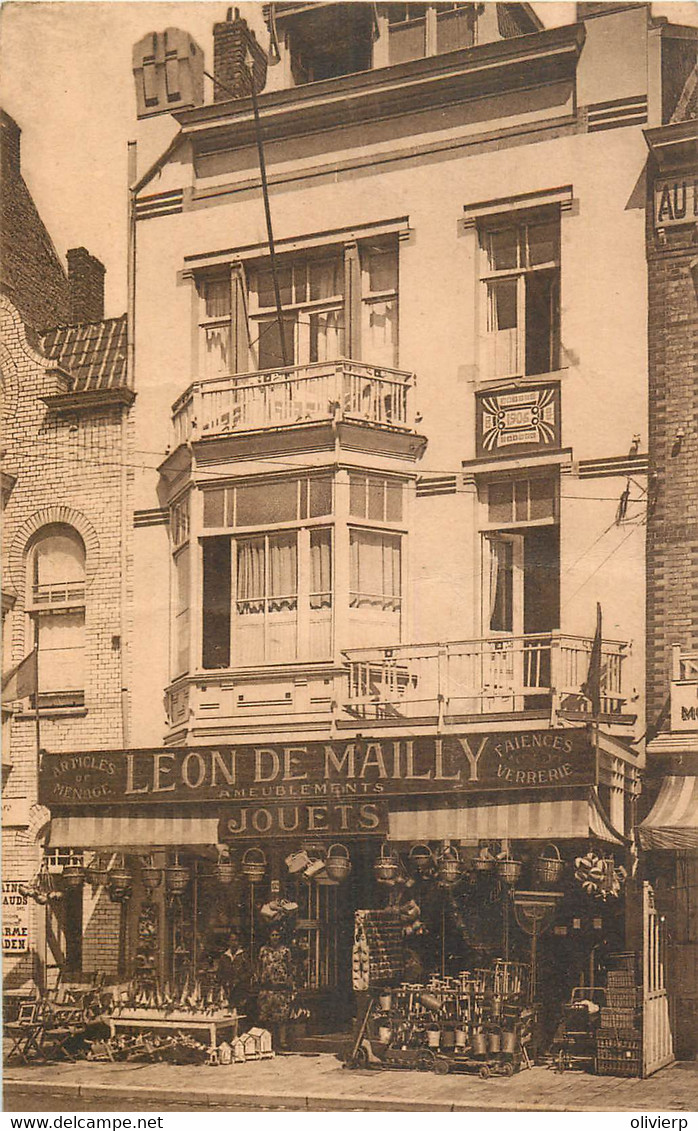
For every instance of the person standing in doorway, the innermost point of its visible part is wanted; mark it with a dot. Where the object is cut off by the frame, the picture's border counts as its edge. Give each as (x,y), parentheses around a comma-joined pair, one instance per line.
(275,976)
(235,973)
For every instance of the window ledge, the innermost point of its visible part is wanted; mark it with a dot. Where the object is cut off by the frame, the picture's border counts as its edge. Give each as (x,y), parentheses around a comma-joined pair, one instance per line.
(522,379)
(53,712)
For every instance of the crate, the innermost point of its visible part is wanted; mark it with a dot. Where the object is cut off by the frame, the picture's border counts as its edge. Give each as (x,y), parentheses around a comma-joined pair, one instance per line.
(618,1018)
(622,998)
(625,961)
(618,1066)
(618,1044)
(620,979)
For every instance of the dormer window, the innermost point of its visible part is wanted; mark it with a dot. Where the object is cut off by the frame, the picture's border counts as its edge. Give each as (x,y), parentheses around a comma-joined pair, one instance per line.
(334,39)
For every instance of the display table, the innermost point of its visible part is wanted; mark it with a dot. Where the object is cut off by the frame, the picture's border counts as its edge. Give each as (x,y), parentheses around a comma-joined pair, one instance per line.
(215,1025)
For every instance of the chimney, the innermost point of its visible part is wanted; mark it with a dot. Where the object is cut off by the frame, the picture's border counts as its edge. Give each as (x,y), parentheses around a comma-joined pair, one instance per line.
(86,283)
(233,44)
(11,134)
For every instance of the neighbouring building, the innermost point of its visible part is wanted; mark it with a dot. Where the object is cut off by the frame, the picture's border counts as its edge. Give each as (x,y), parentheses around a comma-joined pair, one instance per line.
(389,571)
(64,482)
(669,830)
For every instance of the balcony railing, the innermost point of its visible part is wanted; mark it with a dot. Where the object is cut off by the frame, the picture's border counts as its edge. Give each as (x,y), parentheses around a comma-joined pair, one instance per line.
(481,677)
(276,397)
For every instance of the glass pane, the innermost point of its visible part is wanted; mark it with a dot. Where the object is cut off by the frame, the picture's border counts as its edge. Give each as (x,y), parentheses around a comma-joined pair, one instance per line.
(542,321)
(327,335)
(214,507)
(250,576)
(217,351)
(303,498)
(502,249)
(521,500)
(500,502)
(263,504)
(542,495)
(393,510)
(320,569)
(543,242)
(381,333)
(326,278)
(320,496)
(265,287)
(357,496)
(501,586)
(61,651)
(181,565)
(216,602)
(269,352)
(502,304)
(375,570)
(59,558)
(283,572)
(216,298)
(381,266)
(376,498)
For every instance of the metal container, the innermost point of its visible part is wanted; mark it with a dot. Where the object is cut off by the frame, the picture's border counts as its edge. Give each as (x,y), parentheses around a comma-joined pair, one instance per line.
(337,862)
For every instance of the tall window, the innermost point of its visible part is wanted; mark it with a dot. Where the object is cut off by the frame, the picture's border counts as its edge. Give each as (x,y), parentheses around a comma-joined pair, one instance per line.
(312,297)
(56,606)
(337,301)
(522,292)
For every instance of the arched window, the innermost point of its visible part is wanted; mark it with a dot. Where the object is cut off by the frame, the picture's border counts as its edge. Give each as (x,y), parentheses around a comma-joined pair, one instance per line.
(56,607)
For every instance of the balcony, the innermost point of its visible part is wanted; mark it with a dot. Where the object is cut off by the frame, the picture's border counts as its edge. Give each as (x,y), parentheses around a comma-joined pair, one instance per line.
(482,677)
(297,395)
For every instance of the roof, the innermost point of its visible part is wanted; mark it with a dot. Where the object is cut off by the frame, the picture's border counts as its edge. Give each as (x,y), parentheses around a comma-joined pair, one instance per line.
(94,353)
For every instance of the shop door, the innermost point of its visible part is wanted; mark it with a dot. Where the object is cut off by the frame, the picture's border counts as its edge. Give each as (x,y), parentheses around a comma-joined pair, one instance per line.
(657,1044)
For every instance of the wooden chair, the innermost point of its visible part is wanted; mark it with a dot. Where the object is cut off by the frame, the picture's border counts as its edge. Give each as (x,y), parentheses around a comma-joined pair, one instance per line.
(25,1032)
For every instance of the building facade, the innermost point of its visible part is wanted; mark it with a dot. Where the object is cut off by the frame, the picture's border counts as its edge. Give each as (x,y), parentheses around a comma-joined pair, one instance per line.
(669,830)
(64,498)
(383,554)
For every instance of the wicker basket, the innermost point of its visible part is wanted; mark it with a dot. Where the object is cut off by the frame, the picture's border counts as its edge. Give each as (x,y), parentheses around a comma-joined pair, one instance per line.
(150,877)
(254,864)
(177,877)
(483,864)
(509,870)
(449,866)
(617,1018)
(420,859)
(225,871)
(387,865)
(337,862)
(549,866)
(73,875)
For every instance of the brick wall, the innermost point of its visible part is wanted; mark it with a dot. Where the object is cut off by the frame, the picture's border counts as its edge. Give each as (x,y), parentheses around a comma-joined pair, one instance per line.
(672,528)
(30,271)
(68,468)
(233,44)
(86,282)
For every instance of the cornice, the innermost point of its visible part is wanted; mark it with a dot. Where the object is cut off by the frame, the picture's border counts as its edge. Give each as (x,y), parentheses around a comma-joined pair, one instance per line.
(521,62)
(675,145)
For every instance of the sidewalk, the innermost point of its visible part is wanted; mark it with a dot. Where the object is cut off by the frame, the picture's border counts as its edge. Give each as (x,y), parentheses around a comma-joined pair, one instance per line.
(311,1083)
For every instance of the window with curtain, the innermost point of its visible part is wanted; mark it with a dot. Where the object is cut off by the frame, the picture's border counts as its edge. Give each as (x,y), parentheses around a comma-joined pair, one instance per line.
(216,328)
(267,599)
(56,606)
(521,278)
(376,570)
(312,297)
(180,651)
(379,291)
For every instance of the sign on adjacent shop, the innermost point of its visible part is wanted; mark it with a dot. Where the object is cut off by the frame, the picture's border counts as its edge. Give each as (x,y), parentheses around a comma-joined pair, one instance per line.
(15,918)
(676,201)
(320,773)
(684,705)
(518,420)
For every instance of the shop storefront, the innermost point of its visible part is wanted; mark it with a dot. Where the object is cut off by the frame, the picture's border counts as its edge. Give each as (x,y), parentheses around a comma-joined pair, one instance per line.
(484,847)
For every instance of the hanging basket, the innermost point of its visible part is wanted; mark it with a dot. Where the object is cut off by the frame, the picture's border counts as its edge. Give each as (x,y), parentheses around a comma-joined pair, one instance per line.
(387,866)
(120,880)
(420,860)
(97,873)
(337,862)
(176,878)
(449,866)
(225,871)
(73,875)
(509,870)
(151,877)
(485,862)
(254,865)
(549,865)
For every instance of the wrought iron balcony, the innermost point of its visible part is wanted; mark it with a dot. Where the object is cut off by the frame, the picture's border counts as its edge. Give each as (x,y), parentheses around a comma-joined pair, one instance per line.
(349,390)
(480,677)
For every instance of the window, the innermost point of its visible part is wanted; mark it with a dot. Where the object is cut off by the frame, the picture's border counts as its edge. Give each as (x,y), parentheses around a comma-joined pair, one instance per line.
(375,587)
(407,32)
(312,297)
(238,318)
(522,292)
(267,599)
(179,522)
(56,605)
(513,501)
(180,656)
(268,503)
(376,498)
(329,41)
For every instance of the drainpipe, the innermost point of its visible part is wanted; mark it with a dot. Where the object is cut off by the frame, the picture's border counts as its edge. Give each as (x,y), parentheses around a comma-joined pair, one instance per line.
(124,492)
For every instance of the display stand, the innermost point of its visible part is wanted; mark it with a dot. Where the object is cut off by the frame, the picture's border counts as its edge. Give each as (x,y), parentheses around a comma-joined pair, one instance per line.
(534,912)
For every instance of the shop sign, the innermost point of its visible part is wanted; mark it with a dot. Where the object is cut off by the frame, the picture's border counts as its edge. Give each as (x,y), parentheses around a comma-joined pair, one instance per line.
(339,818)
(684,705)
(353,769)
(676,201)
(518,420)
(15,918)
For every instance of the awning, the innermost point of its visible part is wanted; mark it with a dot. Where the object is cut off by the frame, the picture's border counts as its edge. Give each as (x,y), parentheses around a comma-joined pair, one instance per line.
(123,831)
(570,819)
(673,821)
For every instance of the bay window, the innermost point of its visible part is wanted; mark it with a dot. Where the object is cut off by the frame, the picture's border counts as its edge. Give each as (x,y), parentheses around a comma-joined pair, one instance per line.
(375,586)
(521,281)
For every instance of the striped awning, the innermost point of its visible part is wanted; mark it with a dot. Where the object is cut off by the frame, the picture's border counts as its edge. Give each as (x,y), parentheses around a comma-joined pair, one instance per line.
(673,820)
(124,831)
(569,819)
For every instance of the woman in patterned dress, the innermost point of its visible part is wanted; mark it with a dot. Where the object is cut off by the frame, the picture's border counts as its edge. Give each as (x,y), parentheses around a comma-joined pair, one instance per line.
(275,977)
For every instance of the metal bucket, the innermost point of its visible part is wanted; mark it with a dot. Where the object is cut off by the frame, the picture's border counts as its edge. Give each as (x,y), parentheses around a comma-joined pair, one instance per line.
(433,1038)
(337,862)
(479,1042)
